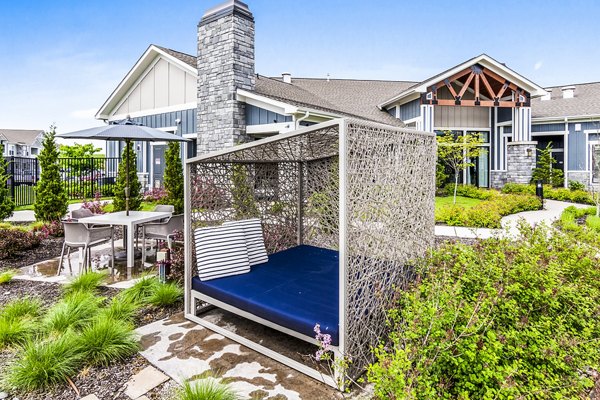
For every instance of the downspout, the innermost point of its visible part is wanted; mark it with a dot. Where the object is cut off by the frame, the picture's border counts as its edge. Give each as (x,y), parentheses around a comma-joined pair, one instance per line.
(302,119)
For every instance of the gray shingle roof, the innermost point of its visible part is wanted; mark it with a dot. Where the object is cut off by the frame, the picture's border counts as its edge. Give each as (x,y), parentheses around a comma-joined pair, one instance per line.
(586,101)
(359,98)
(20,136)
(346,97)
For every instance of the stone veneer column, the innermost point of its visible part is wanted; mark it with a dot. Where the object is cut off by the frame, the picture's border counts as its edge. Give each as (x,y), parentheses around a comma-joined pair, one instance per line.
(520,161)
(225,64)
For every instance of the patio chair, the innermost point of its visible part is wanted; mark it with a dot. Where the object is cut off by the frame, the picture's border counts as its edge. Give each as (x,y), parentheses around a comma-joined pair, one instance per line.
(161,231)
(85,237)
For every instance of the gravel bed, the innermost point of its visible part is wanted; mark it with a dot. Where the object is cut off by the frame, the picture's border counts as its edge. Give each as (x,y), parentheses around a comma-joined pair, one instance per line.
(49,248)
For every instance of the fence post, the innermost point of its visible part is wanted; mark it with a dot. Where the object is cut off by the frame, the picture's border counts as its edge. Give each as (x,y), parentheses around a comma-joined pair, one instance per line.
(12,178)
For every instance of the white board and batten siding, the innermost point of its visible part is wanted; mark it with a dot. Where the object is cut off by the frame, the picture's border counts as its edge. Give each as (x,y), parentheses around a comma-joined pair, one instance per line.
(163,85)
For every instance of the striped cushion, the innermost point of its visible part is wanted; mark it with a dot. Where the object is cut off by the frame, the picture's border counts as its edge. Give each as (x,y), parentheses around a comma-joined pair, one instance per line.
(221,251)
(257,254)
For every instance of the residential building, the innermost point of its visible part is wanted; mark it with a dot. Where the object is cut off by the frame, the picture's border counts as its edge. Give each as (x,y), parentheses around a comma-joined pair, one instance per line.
(21,142)
(216,98)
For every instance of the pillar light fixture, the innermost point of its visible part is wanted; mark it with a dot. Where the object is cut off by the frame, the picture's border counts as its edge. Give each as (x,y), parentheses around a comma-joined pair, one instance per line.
(529,152)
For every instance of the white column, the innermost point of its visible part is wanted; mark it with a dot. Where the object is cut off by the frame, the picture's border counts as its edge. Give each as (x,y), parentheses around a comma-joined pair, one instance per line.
(521,130)
(427,117)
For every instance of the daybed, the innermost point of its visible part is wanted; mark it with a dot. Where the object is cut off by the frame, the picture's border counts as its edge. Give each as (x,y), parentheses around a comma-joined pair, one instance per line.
(343,205)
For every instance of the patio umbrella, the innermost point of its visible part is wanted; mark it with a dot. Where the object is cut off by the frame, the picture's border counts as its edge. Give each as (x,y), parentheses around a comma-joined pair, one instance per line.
(126,130)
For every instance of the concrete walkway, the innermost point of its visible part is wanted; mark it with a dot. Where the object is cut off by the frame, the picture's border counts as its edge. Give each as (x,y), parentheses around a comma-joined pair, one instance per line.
(25,216)
(551,212)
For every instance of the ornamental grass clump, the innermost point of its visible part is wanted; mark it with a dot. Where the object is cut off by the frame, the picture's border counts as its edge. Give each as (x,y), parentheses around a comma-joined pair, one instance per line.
(141,291)
(106,340)
(72,312)
(6,276)
(119,310)
(166,294)
(18,321)
(496,320)
(85,282)
(205,389)
(45,363)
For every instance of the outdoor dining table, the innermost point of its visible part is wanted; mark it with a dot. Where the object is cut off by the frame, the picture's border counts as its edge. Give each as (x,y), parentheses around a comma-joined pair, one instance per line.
(129,222)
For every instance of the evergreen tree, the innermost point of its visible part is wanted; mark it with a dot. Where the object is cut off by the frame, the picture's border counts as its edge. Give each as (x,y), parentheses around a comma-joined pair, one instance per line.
(51,198)
(7,205)
(135,187)
(174,177)
(242,193)
(544,170)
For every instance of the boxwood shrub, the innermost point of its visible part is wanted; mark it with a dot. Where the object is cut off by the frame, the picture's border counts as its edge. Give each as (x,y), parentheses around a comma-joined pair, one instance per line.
(498,320)
(561,194)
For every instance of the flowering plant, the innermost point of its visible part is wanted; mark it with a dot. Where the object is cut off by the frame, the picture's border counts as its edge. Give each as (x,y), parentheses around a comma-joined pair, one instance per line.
(96,206)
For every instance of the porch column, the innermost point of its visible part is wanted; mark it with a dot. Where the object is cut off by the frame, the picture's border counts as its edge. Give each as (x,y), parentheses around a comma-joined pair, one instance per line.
(521,124)
(426,122)
(521,152)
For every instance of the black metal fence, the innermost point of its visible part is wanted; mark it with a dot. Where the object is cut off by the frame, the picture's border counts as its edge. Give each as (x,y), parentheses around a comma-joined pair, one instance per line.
(81,177)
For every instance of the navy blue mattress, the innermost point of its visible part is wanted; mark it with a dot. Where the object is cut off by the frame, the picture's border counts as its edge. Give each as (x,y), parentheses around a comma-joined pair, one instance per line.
(297,288)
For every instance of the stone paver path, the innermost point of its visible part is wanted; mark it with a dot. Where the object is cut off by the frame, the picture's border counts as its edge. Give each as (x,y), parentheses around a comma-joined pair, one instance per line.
(144,381)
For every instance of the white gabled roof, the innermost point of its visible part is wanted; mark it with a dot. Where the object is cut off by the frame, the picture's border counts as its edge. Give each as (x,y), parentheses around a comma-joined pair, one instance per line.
(485,61)
(136,74)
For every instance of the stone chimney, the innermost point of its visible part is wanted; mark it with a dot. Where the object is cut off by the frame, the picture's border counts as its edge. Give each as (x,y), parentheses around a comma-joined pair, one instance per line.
(225,64)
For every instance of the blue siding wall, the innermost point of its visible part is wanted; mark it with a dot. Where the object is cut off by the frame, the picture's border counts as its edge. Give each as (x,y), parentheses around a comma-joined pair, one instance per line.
(577,145)
(260,116)
(548,127)
(410,110)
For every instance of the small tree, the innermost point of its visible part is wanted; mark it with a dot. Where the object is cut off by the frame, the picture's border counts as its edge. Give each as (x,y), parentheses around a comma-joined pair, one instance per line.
(51,199)
(457,151)
(135,187)
(243,200)
(544,170)
(86,158)
(7,205)
(173,178)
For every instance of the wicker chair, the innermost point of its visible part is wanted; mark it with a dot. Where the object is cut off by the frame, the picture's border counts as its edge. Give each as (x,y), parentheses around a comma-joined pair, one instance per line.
(85,237)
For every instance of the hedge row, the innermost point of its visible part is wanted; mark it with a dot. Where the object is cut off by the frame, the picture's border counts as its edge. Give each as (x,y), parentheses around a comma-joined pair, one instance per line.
(561,194)
(489,212)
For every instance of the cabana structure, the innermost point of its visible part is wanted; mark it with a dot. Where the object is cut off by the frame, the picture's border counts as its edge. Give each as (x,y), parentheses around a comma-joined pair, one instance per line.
(344,205)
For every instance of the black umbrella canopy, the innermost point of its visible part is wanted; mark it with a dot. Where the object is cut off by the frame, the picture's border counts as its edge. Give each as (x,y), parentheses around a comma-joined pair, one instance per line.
(126,130)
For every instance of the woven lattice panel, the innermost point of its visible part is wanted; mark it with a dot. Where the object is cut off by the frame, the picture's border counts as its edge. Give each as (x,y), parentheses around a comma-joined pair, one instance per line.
(390,199)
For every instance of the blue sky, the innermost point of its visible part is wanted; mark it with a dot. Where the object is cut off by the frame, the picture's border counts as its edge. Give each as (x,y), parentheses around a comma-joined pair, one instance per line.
(62,59)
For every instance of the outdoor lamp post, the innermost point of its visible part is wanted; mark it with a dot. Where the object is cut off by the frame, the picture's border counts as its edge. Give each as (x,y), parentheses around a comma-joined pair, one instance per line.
(539,192)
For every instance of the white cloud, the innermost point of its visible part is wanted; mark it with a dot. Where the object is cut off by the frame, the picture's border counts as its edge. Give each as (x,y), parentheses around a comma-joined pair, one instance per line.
(538,65)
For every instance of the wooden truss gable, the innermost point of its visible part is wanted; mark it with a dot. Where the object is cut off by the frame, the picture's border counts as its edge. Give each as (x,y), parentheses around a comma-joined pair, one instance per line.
(483,87)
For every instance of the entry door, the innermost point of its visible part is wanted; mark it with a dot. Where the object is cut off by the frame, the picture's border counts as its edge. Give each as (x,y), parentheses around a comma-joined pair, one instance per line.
(158,164)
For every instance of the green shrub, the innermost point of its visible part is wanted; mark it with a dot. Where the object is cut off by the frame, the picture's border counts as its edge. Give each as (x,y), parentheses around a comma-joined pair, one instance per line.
(74,311)
(7,276)
(173,177)
(488,213)
(518,188)
(472,192)
(575,185)
(205,389)
(119,310)
(21,308)
(43,364)
(16,240)
(85,282)
(501,319)
(593,222)
(106,340)
(165,294)
(135,187)
(7,205)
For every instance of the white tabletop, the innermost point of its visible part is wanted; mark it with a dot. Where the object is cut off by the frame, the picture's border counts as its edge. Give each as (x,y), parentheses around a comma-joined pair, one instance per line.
(120,218)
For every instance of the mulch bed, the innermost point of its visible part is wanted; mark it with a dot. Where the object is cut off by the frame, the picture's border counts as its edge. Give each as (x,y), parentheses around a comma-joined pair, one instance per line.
(105,382)
(49,248)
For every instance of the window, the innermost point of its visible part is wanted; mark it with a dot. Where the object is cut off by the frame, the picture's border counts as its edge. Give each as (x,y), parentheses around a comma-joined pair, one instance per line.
(477,175)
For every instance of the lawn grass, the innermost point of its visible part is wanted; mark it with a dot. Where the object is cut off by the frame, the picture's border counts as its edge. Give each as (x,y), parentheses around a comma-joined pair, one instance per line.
(146,206)
(466,202)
